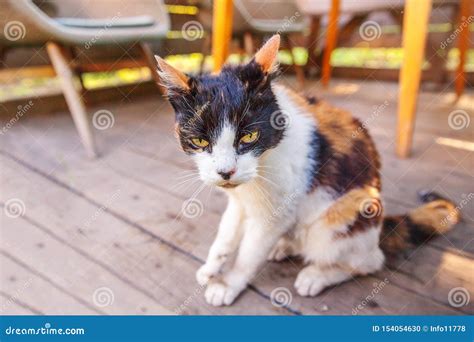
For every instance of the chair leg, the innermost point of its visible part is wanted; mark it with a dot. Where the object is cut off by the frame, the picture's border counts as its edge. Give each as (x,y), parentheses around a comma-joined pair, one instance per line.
(150,61)
(312,42)
(249,45)
(3,52)
(76,69)
(299,71)
(76,105)
(205,50)
(463,45)
(222,32)
(331,40)
(415,26)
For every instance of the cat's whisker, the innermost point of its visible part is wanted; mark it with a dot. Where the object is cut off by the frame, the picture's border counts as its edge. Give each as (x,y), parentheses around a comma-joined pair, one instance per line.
(181,184)
(265,198)
(188,175)
(268,180)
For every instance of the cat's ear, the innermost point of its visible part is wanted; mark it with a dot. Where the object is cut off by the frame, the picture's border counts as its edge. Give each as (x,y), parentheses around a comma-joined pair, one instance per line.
(171,78)
(267,56)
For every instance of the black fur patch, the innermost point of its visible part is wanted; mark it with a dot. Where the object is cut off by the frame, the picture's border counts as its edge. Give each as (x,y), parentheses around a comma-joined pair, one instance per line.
(418,233)
(344,172)
(240,96)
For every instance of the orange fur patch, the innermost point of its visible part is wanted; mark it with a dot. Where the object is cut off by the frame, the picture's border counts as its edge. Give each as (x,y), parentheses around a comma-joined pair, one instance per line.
(348,207)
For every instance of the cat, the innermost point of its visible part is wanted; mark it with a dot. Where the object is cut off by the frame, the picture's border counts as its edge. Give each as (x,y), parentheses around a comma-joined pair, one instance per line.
(302,179)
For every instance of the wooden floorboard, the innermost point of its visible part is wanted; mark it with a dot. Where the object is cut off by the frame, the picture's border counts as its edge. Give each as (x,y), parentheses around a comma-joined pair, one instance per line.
(120,215)
(162,274)
(33,290)
(15,306)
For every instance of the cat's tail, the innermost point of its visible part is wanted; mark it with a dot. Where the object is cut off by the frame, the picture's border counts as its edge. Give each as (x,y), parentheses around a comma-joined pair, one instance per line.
(436,216)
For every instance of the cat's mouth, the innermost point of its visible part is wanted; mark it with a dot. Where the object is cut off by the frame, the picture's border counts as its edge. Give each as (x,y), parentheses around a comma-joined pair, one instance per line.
(228,185)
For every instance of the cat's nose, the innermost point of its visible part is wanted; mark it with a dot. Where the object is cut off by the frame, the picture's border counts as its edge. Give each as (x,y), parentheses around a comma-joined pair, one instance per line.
(226,174)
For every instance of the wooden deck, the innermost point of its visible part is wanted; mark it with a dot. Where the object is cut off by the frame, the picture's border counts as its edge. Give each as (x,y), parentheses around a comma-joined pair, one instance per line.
(106,236)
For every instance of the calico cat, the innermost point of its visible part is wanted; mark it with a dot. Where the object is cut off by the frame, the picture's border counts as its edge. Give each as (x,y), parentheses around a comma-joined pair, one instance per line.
(302,179)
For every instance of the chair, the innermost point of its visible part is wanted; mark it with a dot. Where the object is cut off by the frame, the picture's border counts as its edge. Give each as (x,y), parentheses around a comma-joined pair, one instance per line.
(61,25)
(415,24)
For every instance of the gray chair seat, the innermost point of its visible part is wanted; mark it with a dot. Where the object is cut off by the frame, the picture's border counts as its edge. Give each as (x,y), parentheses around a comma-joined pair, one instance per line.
(83,21)
(133,22)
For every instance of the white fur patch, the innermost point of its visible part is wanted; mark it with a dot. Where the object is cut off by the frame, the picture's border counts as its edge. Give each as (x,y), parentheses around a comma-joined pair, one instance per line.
(224,158)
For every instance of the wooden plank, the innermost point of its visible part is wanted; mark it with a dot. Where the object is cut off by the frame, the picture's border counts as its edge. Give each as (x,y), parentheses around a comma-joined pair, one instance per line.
(197,237)
(17,307)
(428,271)
(91,284)
(163,273)
(14,74)
(33,293)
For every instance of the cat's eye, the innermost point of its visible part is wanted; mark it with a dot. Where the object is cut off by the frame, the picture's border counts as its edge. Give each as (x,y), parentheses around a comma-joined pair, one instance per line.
(198,142)
(249,138)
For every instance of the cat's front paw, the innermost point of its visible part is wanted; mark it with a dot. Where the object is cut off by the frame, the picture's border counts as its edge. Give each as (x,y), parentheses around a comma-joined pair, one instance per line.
(218,294)
(309,283)
(204,274)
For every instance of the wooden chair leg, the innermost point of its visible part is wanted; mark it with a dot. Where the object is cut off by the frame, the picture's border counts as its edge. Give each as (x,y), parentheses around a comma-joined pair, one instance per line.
(331,40)
(249,45)
(205,50)
(463,45)
(312,42)
(69,87)
(3,52)
(415,25)
(299,72)
(222,29)
(76,68)
(150,61)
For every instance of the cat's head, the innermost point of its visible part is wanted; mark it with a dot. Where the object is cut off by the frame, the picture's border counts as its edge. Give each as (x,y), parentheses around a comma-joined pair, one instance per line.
(225,121)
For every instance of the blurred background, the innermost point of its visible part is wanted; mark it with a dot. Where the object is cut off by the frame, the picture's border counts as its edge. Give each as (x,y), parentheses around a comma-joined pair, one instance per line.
(101,212)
